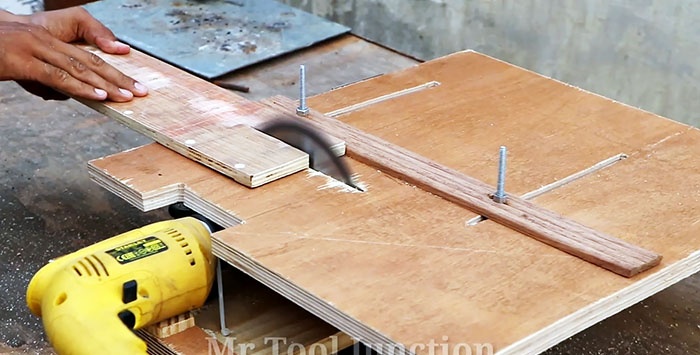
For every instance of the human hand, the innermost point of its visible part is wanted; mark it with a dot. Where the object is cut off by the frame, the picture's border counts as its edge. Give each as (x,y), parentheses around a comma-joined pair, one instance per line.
(34,49)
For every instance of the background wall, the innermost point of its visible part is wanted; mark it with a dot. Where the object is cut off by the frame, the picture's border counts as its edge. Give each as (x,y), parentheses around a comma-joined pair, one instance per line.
(645,53)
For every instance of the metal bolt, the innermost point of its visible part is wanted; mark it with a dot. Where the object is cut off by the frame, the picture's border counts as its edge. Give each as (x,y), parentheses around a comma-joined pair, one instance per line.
(500,195)
(220,285)
(302,110)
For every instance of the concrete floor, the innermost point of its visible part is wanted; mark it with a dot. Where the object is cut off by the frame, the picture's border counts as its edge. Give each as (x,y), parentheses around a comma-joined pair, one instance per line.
(49,207)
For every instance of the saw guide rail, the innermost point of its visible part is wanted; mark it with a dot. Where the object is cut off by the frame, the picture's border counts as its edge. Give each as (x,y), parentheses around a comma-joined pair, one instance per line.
(588,244)
(518,294)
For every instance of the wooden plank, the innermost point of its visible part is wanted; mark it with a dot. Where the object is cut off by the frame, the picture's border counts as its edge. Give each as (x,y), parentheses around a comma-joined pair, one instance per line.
(548,227)
(398,265)
(221,107)
(203,122)
(172,326)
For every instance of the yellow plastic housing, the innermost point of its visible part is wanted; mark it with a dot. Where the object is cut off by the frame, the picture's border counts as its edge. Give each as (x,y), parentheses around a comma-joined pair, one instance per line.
(79,296)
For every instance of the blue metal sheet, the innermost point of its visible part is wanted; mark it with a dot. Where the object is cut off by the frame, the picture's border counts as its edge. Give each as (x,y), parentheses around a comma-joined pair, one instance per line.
(212,38)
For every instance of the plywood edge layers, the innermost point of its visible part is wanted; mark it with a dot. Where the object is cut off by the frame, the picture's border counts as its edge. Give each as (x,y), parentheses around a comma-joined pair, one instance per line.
(226,150)
(532,344)
(527,218)
(121,189)
(162,197)
(324,310)
(595,312)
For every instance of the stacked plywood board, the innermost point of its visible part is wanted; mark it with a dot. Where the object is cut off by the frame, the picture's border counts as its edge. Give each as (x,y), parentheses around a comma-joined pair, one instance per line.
(399,267)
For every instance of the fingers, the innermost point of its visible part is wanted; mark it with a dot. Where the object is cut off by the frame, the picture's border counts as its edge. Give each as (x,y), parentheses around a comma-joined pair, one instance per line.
(76,24)
(90,67)
(95,78)
(40,56)
(92,70)
(94,32)
(60,80)
(111,46)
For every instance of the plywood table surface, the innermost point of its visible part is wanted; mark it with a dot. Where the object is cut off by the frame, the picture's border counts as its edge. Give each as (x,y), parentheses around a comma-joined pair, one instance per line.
(396,265)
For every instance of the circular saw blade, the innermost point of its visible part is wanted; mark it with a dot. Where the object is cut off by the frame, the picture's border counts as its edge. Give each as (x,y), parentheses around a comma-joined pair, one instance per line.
(305,138)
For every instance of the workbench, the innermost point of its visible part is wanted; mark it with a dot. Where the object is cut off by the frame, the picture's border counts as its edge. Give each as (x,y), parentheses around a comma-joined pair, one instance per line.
(489,277)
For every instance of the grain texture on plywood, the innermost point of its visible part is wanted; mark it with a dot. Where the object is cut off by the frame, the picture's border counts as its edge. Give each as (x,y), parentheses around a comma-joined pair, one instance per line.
(203,122)
(551,228)
(398,265)
(409,236)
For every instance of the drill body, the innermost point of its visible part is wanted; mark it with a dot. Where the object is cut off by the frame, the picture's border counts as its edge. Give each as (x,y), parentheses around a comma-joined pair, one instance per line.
(90,300)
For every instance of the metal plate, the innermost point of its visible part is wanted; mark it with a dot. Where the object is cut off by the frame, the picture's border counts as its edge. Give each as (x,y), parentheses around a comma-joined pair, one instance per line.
(212,38)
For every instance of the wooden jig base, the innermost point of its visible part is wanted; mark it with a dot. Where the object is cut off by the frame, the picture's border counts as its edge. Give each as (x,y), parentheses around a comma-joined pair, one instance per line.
(399,267)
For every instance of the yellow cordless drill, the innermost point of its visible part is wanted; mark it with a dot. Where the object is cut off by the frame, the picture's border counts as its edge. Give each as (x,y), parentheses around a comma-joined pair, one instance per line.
(90,300)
